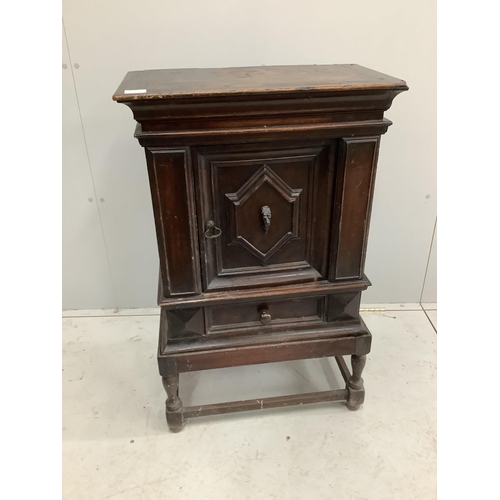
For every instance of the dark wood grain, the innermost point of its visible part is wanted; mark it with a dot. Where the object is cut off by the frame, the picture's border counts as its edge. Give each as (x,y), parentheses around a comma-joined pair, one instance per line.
(184,323)
(242,135)
(346,375)
(173,404)
(246,317)
(343,306)
(173,203)
(293,183)
(266,403)
(258,354)
(355,383)
(355,182)
(219,82)
(283,291)
(262,182)
(170,345)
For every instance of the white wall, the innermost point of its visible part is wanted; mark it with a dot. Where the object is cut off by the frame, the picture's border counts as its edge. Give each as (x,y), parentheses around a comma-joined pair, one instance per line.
(429,290)
(110,255)
(86,278)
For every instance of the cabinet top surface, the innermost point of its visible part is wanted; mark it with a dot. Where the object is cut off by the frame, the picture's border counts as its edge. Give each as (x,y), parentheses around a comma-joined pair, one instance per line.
(194,82)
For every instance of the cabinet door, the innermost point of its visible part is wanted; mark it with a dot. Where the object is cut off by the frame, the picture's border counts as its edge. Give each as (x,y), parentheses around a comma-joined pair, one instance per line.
(271,212)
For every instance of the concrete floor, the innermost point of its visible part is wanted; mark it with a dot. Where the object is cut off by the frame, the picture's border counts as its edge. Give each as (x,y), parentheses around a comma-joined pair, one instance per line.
(116,444)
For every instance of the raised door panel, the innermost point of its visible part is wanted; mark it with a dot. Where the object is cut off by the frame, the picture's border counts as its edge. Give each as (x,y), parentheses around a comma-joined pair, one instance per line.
(353,198)
(173,203)
(271,211)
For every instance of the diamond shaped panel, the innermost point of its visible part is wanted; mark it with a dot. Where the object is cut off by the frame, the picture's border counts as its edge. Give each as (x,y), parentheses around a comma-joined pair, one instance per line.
(265,187)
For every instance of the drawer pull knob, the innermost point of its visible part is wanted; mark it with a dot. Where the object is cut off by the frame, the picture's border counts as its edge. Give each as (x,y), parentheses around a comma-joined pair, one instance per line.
(265,316)
(211,230)
(265,215)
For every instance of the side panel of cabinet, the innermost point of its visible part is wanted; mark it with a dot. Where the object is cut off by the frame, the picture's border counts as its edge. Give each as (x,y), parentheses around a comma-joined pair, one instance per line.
(354,189)
(172,193)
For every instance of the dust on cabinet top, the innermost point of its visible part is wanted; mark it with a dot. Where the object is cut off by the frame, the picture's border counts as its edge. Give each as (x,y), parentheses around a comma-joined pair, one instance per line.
(255,80)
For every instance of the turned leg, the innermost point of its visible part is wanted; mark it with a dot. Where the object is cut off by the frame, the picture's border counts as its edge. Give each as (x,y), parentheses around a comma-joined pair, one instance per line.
(355,383)
(175,418)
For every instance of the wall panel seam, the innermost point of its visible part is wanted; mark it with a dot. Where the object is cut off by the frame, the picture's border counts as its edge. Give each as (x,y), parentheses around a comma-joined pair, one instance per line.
(428,260)
(90,167)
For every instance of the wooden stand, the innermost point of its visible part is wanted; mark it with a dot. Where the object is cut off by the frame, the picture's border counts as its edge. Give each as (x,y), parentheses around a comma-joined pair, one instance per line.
(262,182)
(171,364)
(352,395)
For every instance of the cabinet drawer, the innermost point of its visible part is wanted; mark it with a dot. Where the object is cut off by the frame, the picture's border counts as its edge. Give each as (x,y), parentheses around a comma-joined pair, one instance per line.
(264,316)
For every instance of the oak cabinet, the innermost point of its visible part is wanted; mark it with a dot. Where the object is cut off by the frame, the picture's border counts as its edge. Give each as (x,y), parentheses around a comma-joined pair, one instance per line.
(262,180)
